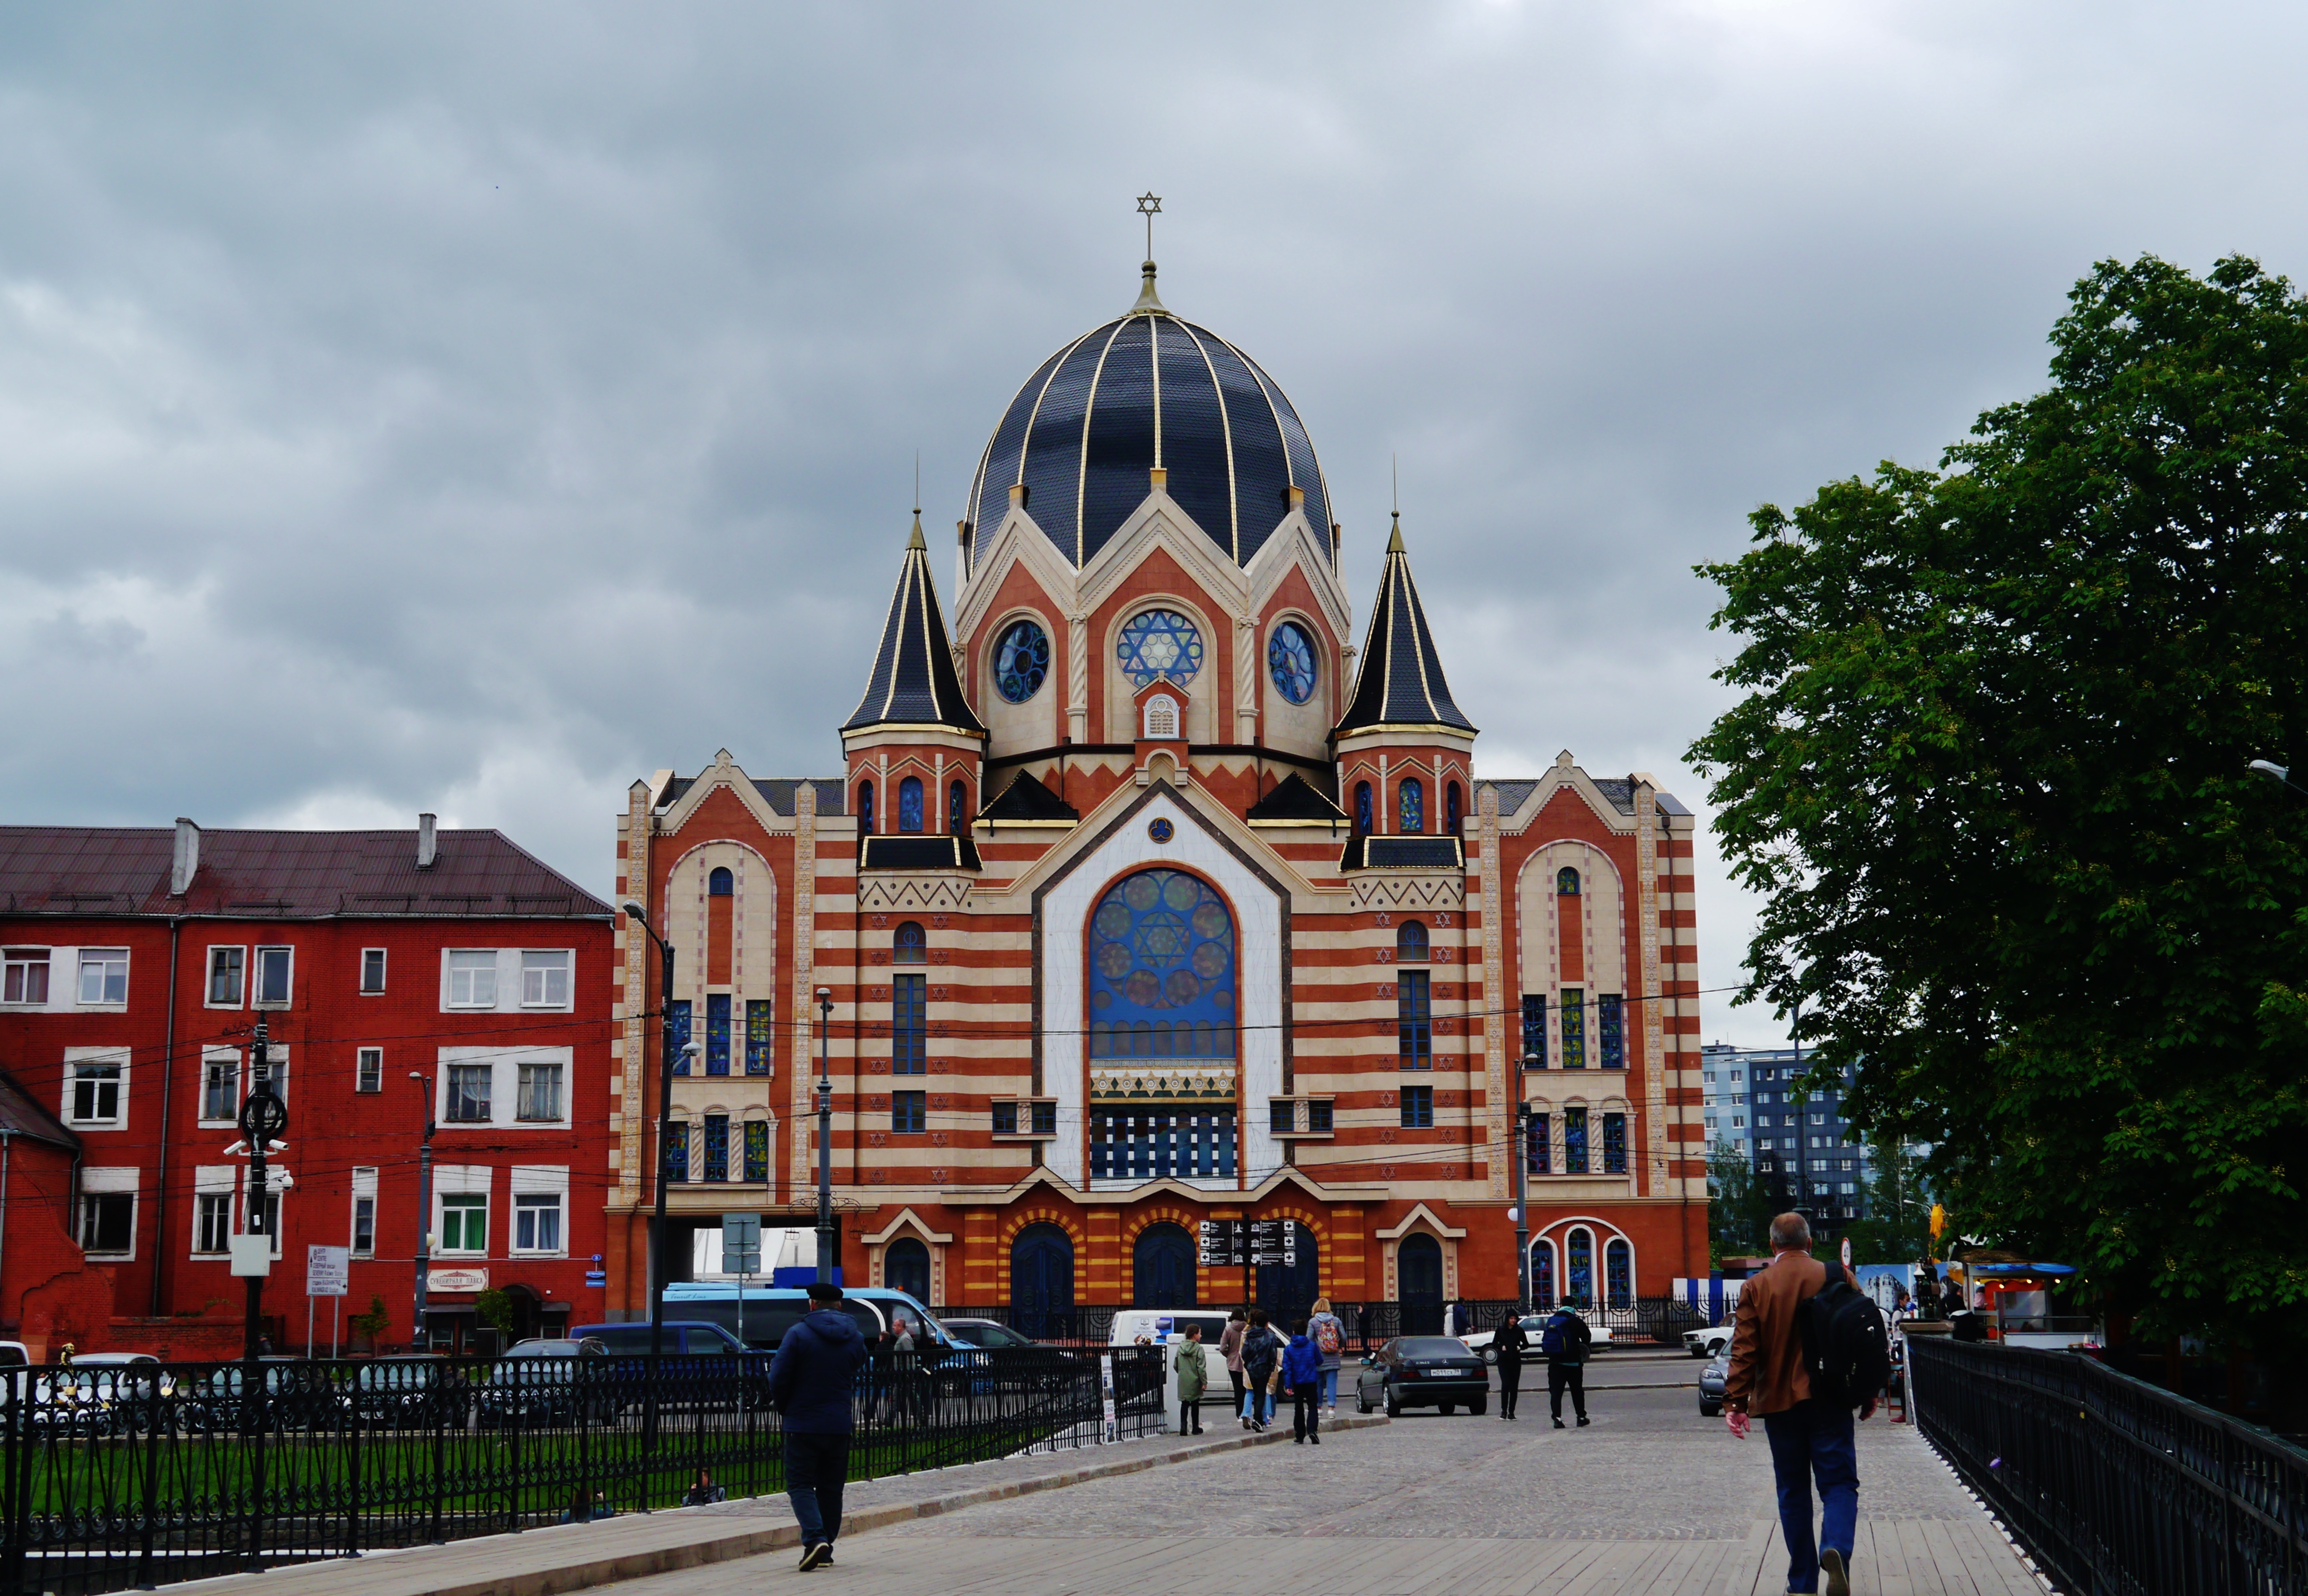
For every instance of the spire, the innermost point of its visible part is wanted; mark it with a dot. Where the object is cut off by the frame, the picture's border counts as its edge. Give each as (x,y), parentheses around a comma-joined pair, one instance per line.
(913,682)
(1401,683)
(1149,206)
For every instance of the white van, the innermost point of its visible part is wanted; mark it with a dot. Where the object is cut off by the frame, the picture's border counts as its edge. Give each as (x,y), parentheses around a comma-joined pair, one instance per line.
(1161,1326)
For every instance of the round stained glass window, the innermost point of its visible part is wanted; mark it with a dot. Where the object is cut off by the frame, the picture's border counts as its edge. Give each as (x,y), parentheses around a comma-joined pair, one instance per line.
(1021,661)
(1158,643)
(1290,660)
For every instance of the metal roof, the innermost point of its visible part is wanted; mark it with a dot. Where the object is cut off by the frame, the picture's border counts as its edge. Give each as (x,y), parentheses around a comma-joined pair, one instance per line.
(21,1115)
(1401,683)
(913,682)
(288,875)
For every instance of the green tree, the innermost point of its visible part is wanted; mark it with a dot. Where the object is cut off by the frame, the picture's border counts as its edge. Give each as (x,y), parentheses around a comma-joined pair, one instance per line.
(1989,780)
(1738,1207)
(494,1307)
(1898,1228)
(372,1324)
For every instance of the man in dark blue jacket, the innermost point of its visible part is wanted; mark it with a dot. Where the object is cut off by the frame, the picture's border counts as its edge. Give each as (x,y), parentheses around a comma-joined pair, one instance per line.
(813,1383)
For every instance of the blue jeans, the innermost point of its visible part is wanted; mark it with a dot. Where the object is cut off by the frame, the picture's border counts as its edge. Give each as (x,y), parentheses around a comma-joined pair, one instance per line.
(1331,1386)
(1258,1403)
(1814,1439)
(816,1466)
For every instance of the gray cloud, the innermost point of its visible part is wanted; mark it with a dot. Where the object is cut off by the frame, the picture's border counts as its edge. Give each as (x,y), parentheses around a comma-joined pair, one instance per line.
(473,407)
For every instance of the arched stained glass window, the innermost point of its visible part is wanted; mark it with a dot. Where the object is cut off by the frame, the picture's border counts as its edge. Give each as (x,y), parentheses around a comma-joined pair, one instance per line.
(909,946)
(910,805)
(1021,661)
(1453,809)
(1410,943)
(1578,1285)
(1542,1274)
(957,809)
(1290,660)
(1619,1274)
(1162,970)
(866,809)
(1158,643)
(1566,882)
(1412,795)
(1363,826)
(721,883)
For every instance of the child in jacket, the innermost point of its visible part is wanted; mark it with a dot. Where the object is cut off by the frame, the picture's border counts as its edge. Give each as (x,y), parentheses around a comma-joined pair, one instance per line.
(1302,1372)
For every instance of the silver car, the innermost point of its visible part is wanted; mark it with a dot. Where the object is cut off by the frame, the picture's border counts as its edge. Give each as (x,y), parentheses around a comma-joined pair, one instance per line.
(1711,1381)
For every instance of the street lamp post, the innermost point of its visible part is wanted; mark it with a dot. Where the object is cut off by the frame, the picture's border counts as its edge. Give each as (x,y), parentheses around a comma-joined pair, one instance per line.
(657,1258)
(828,1254)
(1522,1185)
(419,1338)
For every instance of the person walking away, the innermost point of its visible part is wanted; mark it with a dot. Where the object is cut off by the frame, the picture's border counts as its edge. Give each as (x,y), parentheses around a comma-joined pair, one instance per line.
(1262,1351)
(1194,1376)
(1463,1318)
(810,1383)
(1509,1343)
(1328,1332)
(1302,1373)
(1810,1429)
(1565,1344)
(1231,1352)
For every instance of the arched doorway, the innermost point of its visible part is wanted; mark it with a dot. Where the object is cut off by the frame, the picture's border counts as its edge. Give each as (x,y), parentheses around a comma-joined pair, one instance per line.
(906,1268)
(1288,1290)
(1042,1282)
(1418,1270)
(1162,1269)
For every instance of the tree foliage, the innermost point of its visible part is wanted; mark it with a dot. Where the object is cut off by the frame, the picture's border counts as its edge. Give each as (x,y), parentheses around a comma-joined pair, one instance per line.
(1898,1229)
(1989,779)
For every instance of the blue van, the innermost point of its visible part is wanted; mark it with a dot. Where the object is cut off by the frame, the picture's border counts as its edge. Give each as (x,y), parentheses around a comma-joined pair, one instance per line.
(767,1312)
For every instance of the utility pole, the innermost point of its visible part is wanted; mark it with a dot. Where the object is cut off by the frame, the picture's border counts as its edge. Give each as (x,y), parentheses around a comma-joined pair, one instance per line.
(657,1262)
(829,1243)
(420,1338)
(1522,1187)
(262,1118)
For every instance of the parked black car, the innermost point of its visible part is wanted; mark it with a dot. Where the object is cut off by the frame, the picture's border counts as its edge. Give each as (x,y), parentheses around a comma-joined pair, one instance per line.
(1423,1371)
(298,1395)
(548,1383)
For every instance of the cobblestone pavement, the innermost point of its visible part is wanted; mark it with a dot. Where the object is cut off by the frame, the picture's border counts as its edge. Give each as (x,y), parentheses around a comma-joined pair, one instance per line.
(1651,1499)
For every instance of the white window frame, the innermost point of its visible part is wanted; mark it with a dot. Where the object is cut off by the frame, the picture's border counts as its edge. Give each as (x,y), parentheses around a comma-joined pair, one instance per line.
(504,1065)
(97,958)
(1162,705)
(533,1182)
(257,974)
(210,1057)
(99,1182)
(527,1204)
(75,1056)
(566,970)
(363,1057)
(363,1191)
(448,1092)
(212,1182)
(207,977)
(383,972)
(464,1201)
(479,960)
(19,958)
(560,1090)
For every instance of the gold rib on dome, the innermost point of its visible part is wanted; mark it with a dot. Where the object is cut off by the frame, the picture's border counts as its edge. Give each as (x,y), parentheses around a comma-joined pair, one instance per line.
(1401,686)
(913,682)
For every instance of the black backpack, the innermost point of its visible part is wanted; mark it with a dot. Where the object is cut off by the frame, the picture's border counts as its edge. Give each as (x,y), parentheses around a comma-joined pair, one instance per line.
(1846,1350)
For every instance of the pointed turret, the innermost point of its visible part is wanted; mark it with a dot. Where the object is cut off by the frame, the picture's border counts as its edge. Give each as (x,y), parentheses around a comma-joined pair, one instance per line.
(914,683)
(1402,683)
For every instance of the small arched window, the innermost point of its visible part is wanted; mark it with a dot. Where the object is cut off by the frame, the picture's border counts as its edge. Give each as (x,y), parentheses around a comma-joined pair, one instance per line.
(1162,718)
(1619,1274)
(909,947)
(957,809)
(910,805)
(1566,882)
(1412,794)
(1410,943)
(1362,809)
(866,809)
(1453,809)
(721,883)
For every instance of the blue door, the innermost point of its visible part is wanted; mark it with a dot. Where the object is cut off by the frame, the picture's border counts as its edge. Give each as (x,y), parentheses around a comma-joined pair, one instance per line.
(906,1268)
(1418,1269)
(1288,1290)
(1163,1269)
(1042,1282)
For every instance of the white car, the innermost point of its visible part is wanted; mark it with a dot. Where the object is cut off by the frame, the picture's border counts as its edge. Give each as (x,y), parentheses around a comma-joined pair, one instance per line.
(1707,1341)
(1533,1325)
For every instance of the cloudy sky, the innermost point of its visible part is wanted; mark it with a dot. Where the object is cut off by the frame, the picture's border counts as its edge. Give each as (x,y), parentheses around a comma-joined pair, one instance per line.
(474,407)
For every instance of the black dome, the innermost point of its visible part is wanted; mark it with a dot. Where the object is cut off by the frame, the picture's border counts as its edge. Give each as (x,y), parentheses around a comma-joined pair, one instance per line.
(1093,418)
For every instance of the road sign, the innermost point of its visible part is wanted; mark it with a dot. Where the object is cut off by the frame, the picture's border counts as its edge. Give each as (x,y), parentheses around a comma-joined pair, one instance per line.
(1274,1242)
(328,1271)
(741,1244)
(1846,1252)
(1224,1243)
(597,1277)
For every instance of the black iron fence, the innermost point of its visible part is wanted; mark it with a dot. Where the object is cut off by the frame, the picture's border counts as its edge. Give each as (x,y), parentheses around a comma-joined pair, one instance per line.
(1657,1321)
(2116,1487)
(149,1473)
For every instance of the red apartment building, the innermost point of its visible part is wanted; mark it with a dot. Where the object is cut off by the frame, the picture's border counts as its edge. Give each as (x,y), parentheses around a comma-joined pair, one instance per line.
(397,972)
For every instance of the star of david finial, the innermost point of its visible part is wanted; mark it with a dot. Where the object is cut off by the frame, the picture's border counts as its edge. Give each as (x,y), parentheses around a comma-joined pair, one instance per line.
(1149,206)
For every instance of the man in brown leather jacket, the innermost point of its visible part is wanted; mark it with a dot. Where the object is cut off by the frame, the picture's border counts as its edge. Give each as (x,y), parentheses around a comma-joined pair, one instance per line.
(1809,1435)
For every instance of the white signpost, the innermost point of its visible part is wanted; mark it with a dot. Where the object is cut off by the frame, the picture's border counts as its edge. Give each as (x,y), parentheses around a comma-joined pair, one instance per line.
(328,1272)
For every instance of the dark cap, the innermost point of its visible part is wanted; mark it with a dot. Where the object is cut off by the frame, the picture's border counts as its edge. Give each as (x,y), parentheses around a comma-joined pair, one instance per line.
(824,1291)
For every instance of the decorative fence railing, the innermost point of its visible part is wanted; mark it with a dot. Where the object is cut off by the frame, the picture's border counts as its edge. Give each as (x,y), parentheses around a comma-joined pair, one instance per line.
(142,1475)
(2116,1487)
(1654,1320)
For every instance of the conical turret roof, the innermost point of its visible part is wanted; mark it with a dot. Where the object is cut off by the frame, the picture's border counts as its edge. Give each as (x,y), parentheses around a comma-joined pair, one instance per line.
(914,683)
(1401,683)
